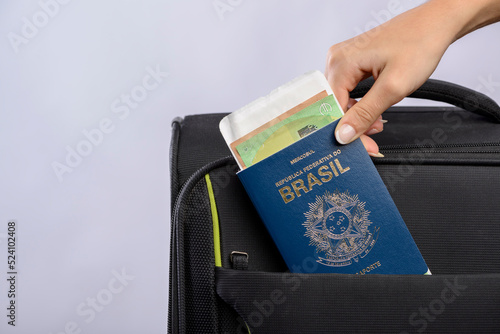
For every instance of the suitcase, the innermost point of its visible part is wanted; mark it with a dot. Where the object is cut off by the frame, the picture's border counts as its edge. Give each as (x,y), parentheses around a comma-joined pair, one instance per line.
(442,168)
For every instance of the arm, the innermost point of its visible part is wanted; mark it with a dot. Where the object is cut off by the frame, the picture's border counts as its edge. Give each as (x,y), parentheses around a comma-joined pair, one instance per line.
(400,54)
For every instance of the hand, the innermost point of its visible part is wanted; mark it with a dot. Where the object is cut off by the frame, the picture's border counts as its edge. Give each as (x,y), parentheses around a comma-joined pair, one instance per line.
(400,54)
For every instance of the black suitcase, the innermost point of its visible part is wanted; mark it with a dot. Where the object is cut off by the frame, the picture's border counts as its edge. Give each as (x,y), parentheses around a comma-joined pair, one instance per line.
(442,167)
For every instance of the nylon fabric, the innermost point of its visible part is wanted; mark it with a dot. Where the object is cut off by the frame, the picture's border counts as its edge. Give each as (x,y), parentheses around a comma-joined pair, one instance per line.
(452,213)
(200,143)
(332,303)
(433,128)
(216,312)
(174,157)
(197,259)
(174,186)
(240,225)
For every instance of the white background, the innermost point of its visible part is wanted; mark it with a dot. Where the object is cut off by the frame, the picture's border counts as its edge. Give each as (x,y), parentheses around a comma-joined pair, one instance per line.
(109,212)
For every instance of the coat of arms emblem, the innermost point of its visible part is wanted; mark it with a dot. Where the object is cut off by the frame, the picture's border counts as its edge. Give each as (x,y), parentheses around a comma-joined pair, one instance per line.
(338,225)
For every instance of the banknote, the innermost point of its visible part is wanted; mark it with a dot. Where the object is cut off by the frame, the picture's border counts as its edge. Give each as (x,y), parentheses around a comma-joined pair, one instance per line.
(286,130)
(272,108)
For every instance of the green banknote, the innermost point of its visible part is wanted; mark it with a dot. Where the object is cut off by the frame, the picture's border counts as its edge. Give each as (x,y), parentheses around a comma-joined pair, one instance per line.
(289,130)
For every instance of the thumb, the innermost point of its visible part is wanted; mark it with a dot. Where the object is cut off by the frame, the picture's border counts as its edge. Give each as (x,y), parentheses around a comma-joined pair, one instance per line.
(363,114)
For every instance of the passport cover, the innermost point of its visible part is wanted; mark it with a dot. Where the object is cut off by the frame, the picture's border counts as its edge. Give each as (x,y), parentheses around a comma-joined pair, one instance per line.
(328,210)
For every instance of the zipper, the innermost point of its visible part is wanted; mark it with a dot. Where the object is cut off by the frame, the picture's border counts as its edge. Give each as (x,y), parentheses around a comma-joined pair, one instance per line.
(441,154)
(445,152)
(186,188)
(195,177)
(415,146)
(468,151)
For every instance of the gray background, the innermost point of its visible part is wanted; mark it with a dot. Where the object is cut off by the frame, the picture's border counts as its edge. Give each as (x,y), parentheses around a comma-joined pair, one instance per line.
(111,212)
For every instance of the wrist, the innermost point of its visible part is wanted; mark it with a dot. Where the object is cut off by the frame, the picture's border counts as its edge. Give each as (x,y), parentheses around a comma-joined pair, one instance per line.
(466,16)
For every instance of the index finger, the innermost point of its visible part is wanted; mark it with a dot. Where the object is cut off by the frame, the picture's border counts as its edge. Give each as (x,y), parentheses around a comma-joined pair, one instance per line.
(385,92)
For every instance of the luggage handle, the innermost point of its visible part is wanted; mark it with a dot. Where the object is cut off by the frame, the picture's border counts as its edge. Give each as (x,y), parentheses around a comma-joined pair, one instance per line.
(443,91)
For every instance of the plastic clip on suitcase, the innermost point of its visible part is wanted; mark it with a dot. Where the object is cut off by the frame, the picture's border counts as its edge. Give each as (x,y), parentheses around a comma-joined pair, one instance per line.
(442,167)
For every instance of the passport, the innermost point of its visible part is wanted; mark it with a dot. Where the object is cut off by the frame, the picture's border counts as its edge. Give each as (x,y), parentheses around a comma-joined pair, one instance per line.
(328,211)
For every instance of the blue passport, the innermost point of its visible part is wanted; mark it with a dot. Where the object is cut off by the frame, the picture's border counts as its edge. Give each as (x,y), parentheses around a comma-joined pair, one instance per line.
(328,210)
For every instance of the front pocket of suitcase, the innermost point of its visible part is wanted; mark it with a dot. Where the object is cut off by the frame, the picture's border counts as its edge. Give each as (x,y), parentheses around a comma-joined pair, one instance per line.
(338,303)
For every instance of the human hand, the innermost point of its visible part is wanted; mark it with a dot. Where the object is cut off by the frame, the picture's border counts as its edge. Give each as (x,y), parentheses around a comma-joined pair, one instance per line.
(400,54)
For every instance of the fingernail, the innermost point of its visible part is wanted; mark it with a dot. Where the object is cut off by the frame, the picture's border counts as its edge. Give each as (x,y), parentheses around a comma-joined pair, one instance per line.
(345,134)
(376,155)
(383,121)
(372,132)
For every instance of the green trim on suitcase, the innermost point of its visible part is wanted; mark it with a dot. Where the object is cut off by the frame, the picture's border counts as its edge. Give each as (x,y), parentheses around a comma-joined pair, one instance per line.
(215,222)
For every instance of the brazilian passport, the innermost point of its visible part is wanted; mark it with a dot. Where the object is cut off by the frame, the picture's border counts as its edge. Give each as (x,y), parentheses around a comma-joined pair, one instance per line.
(328,210)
